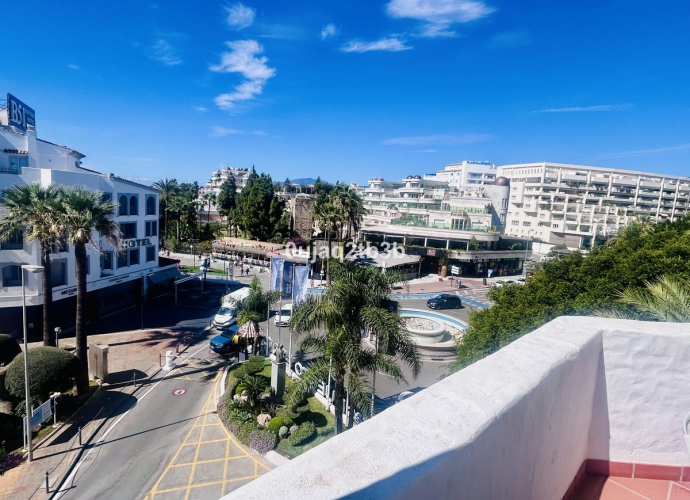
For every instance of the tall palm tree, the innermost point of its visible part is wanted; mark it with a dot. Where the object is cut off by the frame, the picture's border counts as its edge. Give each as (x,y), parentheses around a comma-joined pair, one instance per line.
(31,210)
(209,198)
(328,215)
(666,299)
(333,326)
(167,189)
(82,216)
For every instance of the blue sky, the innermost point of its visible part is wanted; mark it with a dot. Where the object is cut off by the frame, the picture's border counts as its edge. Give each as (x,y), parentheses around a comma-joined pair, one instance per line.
(349,90)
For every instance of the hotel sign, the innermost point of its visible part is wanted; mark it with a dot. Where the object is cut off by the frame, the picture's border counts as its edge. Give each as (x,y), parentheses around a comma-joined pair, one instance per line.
(136,243)
(19,114)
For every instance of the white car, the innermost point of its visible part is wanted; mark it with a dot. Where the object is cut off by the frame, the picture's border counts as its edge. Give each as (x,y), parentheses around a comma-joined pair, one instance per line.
(500,283)
(283,318)
(520,281)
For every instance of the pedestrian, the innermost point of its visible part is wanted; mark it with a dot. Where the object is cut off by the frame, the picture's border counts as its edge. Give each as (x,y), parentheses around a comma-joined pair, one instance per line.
(167,252)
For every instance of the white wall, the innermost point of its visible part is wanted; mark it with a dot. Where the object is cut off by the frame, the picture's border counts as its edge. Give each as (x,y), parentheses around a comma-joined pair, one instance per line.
(517,424)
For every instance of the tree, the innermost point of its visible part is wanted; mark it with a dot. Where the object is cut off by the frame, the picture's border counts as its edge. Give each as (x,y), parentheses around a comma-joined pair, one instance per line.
(258,211)
(579,285)
(665,299)
(226,198)
(252,386)
(83,215)
(31,214)
(473,244)
(332,325)
(209,199)
(255,306)
(167,189)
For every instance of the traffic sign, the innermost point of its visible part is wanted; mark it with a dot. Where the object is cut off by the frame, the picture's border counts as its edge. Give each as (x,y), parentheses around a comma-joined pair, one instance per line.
(454,270)
(179,392)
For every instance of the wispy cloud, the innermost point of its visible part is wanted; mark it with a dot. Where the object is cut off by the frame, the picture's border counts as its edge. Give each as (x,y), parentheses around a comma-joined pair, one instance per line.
(424,151)
(224,131)
(239,16)
(510,39)
(74,67)
(164,52)
(442,139)
(581,109)
(201,109)
(439,15)
(390,44)
(243,59)
(329,31)
(645,152)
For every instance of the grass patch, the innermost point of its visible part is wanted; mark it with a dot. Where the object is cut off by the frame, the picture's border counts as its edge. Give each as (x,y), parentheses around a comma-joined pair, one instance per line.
(325,427)
(195,269)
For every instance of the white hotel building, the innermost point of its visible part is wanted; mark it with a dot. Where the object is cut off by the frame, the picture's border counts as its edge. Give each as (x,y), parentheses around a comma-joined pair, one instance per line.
(577,205)
(115,275)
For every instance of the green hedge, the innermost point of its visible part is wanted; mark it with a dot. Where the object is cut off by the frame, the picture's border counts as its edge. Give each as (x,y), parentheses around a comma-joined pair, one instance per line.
(275,424)
(8,349)
(254,365)
(305,432)
(50,370)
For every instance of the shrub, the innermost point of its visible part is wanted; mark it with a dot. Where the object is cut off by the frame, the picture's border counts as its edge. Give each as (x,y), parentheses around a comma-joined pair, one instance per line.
(262,440)
(283,432)
(284,414)
(50,370)
(10,461)
(10,427)
(254,365)
(20,409)
(239,372)
(8,349)
(305,432)
(294,429)
(275,424)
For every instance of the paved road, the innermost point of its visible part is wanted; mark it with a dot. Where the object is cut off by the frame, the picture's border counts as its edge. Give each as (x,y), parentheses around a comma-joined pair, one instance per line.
(134,446)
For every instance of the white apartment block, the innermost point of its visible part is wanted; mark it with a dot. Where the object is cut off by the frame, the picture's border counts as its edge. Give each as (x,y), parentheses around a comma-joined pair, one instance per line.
(115,274)
(213,186)
(466,173)
(576,205)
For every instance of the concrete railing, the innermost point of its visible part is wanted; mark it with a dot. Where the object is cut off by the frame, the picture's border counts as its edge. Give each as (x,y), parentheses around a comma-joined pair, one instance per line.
(518,424)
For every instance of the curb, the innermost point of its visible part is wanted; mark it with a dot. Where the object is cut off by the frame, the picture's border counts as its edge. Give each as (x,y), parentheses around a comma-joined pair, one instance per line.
(222,382)
(100,386)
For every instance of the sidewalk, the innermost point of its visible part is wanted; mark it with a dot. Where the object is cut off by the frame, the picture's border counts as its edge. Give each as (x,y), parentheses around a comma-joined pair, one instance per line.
(130,352)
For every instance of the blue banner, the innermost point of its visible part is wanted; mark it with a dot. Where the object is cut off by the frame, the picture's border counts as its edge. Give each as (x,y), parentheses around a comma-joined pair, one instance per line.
(287,280)
(301,284)
(276,271)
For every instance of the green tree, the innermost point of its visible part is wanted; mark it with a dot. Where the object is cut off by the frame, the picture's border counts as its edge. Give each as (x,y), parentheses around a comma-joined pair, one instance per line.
(258,211)
(167,189)
(332,327)
(255,306)
(226,199)
(30,213)
(83,215)
(665,299)
(579,285)
(252,386)
(473,244)
(209,199)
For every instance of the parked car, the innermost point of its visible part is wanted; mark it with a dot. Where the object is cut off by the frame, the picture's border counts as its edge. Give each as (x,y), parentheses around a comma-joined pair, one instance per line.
(222,344)
(444,301)
(520,281)
(283,318)
(501,283)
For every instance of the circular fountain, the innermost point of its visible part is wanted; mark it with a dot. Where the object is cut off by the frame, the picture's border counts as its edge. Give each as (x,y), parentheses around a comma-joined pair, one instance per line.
(434,333)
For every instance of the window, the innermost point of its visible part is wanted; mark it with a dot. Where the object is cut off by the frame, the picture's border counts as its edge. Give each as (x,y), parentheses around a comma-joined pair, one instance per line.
(133,256)
(17,162)
(150,205)
(122,259)
(555,226)
(133,205)
(150,253)
(14,242)
(58,272)
(526,223)
(129,230)
(106,197)
(122,200)
(107,261)
(515,223)
(151,228)
(12,276)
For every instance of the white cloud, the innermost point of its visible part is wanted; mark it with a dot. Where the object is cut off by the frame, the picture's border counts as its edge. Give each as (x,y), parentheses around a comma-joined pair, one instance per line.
(201,109)
(243,59)
(240,16)
(74,66)
(644,152)
(443,139)
(329,31)
(439,15)
(424,151)
(163,52)
(390,44)
(224,131)
(580,109)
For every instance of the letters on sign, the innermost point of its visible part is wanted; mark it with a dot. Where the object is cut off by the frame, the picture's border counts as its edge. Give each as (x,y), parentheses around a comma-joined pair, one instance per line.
(20,115)
(137,243)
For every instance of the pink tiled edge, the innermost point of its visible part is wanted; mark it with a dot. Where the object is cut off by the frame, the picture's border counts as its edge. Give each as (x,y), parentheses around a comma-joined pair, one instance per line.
(625,469)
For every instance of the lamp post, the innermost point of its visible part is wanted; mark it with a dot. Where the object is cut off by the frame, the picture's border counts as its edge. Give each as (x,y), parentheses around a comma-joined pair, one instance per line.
(191,250)
(58,330)
(33,270)
(225,257)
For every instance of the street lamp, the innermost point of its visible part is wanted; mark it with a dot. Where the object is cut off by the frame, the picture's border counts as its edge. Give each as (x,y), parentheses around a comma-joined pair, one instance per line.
(191,250)
(33,270)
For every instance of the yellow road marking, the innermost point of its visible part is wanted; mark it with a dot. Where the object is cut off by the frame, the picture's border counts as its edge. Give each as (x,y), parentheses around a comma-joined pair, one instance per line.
(201,485)
(211,460)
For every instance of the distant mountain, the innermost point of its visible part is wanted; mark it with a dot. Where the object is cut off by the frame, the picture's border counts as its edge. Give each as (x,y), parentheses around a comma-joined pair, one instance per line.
(307,181)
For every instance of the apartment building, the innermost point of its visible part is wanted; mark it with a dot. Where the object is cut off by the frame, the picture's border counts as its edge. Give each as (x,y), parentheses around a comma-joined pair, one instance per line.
(116,275)
(577,205)
(466,173)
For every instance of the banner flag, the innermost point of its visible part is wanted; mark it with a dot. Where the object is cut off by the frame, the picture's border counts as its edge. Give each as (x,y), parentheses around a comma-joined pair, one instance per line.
(286,287)
(301,284)
(276,271)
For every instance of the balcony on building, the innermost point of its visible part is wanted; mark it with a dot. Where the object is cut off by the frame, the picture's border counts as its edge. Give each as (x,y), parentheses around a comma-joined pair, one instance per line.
(578,405)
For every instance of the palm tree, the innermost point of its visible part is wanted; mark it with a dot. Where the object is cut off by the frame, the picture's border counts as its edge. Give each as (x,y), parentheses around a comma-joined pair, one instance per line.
(666,299)
(333,325)
(209,198)
(167,189)
(31,210)
(252,386)
(82,216)
(329,215)
(255,306)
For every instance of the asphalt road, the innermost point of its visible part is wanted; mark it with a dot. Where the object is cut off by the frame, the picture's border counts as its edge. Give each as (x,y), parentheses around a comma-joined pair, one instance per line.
(135,445)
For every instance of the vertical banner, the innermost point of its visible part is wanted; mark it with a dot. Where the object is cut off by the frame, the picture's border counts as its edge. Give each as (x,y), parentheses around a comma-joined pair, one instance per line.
(286,286)
(276,272)
(301,284)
